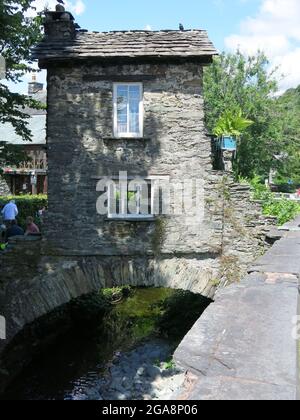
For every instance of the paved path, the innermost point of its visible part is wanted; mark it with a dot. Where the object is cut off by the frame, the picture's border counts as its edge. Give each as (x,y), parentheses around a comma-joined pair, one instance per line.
(242,348)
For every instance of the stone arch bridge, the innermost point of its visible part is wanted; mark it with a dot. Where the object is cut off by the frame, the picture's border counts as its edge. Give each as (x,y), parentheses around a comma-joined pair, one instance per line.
(34,283)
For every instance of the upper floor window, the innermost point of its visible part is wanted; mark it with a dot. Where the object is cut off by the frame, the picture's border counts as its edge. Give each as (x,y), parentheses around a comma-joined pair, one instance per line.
(128,110)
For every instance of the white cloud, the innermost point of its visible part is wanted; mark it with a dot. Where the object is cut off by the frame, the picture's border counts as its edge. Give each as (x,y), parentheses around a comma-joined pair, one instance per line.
(276,30)
(75,6)
(289,64)
(78,7)
(148,28)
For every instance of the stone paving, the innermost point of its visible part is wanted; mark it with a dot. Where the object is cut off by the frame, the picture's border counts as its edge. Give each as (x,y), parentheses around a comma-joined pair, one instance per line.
(243,347)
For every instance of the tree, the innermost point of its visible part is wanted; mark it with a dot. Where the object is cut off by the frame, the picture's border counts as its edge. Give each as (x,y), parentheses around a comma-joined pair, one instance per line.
(235,83)
(18,33)
(289,108)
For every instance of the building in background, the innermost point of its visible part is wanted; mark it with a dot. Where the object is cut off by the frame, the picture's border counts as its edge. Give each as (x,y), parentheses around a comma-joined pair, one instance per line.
(29,177)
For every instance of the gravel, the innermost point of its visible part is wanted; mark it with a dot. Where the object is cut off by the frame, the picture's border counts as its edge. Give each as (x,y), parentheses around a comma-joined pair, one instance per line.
(142,374)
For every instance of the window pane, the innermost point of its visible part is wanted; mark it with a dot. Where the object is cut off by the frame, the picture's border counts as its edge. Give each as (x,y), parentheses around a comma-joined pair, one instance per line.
(122,107)
(134,126)
(134,92)
(134,105)
(128,105)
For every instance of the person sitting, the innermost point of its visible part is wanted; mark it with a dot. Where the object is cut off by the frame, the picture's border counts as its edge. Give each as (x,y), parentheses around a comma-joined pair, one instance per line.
(14,230)
(31,227)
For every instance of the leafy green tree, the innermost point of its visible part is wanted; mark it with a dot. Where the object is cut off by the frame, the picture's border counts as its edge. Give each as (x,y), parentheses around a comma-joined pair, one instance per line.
(18,33)
(235,83)
(289,163)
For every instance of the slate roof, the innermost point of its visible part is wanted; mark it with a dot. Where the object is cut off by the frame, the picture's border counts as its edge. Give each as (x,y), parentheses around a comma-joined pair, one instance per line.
(36,124)
(128,44)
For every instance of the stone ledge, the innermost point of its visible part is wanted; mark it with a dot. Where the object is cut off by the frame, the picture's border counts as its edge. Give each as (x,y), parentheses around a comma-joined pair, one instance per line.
(283,257)
(126,139)
(242,348)
(29,238)
(131,219)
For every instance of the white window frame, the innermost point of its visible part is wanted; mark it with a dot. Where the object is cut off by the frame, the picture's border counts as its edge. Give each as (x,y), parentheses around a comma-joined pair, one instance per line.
(124,215)
(115,112)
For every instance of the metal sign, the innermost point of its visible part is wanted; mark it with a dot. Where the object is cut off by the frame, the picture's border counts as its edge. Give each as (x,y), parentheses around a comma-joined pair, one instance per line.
(2,67)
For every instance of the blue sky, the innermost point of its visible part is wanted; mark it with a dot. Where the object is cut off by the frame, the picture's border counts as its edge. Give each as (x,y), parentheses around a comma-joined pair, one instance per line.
(269,25)
(219,17)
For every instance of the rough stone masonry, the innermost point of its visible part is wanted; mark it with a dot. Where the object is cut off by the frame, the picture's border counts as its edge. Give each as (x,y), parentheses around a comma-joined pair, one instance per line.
(82,250)
(82,68)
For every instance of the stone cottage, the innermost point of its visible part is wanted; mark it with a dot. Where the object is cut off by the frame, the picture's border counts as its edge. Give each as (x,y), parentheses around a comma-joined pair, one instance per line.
(131,102)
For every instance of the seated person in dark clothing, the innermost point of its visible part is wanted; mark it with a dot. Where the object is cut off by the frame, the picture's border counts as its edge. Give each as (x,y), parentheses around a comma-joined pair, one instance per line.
(14,230)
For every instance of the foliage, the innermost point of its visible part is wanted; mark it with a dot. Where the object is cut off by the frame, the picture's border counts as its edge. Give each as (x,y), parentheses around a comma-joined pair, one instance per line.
(116,293)
(235,83)
(28,205)
(284,209)
(169,364)
(11,155)
(93,307)
(135,318)
(289,162)
(232,124)
(259,190)
(18,33)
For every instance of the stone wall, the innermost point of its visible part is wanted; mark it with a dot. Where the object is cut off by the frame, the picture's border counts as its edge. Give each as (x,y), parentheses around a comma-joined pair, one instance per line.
(82,150)
(81,251)
(245,231)
(34,284)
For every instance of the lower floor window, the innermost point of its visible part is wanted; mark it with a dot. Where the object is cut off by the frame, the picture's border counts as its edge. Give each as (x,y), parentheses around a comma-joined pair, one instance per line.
(131,200)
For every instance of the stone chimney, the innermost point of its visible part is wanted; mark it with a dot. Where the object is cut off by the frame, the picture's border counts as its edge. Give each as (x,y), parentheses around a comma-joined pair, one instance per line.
(33,86)
(59,25)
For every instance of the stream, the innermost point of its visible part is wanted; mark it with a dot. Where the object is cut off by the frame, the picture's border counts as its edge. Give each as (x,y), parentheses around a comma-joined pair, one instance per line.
(123,352)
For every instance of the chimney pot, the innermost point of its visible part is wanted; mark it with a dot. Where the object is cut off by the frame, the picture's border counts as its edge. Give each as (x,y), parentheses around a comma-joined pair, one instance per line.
(60,8)
(59,25)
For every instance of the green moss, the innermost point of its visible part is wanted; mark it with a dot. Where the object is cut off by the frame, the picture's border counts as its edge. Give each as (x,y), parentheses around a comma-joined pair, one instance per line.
(135,318)
(147,312)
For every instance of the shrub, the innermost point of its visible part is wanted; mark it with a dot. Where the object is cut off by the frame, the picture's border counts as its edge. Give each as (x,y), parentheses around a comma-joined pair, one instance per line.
(28,205)
(284,209)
